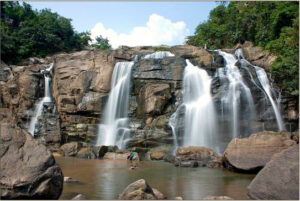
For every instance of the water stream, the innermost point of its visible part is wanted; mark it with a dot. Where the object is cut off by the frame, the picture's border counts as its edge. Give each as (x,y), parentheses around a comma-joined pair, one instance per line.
(114,128)
(200,124)
(40,104)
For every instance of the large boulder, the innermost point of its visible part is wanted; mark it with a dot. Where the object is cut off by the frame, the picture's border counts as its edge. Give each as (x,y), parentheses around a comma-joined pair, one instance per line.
(70,149)
(138,190)
(158,155)
(194,156)
(253,153)
(279,179)
(28,168)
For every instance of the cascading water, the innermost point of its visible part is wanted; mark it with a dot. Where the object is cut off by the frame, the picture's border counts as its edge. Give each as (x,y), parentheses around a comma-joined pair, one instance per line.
(199,117)
(46,99)
(158,55)
(263,79)
(266,87)
(172,124)
(236,89)
(114,128)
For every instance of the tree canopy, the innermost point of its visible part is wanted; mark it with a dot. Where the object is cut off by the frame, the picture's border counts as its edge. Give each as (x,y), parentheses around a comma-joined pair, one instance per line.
(271,25)
(26,32)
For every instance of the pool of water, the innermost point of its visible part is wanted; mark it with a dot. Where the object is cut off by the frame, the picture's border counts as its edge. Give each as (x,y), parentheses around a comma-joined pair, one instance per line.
(106,179)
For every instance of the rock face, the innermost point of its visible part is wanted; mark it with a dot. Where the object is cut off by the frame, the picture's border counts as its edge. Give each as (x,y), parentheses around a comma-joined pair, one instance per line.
(196,156)
(138,190)
(279,179)
(257,56)
(28,169)
(253,153)
(81,83)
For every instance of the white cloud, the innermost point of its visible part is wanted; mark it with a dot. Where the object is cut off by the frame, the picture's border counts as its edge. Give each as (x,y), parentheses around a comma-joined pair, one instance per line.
(157,31)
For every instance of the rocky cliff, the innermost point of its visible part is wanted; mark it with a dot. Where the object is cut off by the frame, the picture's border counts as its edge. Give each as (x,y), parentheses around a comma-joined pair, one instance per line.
(81,83)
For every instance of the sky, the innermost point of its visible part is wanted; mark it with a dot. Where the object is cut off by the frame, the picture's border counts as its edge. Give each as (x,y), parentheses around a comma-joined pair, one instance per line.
(134,23)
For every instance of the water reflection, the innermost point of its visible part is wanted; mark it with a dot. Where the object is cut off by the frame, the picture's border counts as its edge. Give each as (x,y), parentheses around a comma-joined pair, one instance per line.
(105,179)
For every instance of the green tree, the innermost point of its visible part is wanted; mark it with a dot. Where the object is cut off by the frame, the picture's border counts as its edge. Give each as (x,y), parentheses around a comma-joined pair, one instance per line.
(26,33)
(102,43)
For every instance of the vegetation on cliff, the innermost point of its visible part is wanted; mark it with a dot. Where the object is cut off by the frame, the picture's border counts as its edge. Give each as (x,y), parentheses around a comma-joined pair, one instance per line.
(26,33)
(271,25)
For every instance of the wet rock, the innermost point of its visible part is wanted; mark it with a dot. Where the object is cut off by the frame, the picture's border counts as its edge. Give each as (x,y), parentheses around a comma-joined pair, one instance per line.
(203,57)
(28,169)
(79,197)
(158,155)
(217,198)
(257,56)
(169,158)
(86,152)
(279,179)
(196,156)
(167,69)
(253,153)
(70,180)
(295,136)
(70,149)
(158,194)
(138,190)
(120,156)
(153,98)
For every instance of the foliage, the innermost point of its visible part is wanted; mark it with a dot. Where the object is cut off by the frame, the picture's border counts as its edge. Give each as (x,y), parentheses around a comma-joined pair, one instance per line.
(26,32)
(161,48)
(102,43)
(272,25)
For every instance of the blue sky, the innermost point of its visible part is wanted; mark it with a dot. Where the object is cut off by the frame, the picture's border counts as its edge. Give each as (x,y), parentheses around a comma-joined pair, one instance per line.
(134,23)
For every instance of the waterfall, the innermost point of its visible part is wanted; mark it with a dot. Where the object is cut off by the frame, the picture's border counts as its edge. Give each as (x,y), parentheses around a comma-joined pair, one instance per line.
(236,89)
(114,128)
(263,79)
(158,55)
(172,124)
(46,99)
(199,117)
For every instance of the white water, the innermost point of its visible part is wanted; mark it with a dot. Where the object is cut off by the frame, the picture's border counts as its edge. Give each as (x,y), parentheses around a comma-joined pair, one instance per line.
(199,121)
(46,99)
(114,128)
(263,79)
(172,124)
(158,55)
(237,88)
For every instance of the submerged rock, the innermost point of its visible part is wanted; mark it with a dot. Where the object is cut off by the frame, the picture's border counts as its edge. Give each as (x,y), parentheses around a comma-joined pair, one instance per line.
(138,190)
(28,168)
(70,180)
(217,198)
(158,194)
(178,198)
(194,156)
(253,153)
(120,156)
(279,179)
(79,197)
